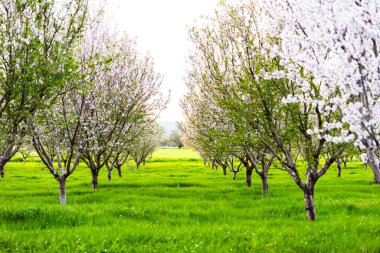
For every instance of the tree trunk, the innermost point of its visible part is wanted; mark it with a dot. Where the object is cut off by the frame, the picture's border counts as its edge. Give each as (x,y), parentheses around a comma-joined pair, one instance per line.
(376,175)
(119,171)
(224,170)
(109,171)
(95,174)
(345,163)
(338,164)
(8,153)
(109,175)
(264,183)
(309,204)
(234,175)
(2,164)
(137,166)
(375,166)
(248,175)
(62,191)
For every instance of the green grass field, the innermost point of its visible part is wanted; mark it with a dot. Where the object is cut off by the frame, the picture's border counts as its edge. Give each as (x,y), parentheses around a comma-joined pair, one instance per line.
(175,204)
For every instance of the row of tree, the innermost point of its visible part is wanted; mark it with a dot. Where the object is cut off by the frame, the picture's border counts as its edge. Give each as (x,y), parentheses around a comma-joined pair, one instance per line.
(285,84)
(75,89)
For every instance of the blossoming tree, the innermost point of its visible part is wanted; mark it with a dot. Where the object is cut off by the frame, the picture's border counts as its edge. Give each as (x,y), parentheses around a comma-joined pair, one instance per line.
(36,42)
(124,97)
(273,112)
(336,42)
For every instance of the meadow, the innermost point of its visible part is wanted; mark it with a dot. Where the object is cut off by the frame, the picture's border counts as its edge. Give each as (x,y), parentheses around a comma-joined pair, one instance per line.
(176,204)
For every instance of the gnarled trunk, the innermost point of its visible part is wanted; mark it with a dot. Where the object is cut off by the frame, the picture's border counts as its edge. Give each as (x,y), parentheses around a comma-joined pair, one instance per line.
(224,170)
(264,183)
(95,174)
(62,191)
(309,204)
(248,175)
(375,166)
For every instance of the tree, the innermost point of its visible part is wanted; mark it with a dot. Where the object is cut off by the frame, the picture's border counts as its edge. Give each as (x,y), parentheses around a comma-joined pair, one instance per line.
(207,127)
(258,159)
(58,137)
(26,149)
(338,44)
(175,138)
(234,59)
(349,153)
(146,143)
(36,41)
(124,97)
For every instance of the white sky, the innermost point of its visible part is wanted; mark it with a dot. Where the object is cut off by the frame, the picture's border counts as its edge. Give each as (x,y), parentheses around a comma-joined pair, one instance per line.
(161,28)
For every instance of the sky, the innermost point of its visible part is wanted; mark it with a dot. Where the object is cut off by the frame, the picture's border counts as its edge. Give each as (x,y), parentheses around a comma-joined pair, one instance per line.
(161,29)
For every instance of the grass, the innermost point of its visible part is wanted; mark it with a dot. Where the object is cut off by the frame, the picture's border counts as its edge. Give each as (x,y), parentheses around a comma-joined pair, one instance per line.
(175,204)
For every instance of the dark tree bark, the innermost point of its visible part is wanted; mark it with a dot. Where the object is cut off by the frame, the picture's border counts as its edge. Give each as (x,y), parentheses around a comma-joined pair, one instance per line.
(95,174)
(1,170)
(95,167)
(248,170)
(223,164)
(109,175)
(339,166)
(265,163)
(309,204)
(119,171)
(248,174)
(264,183)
